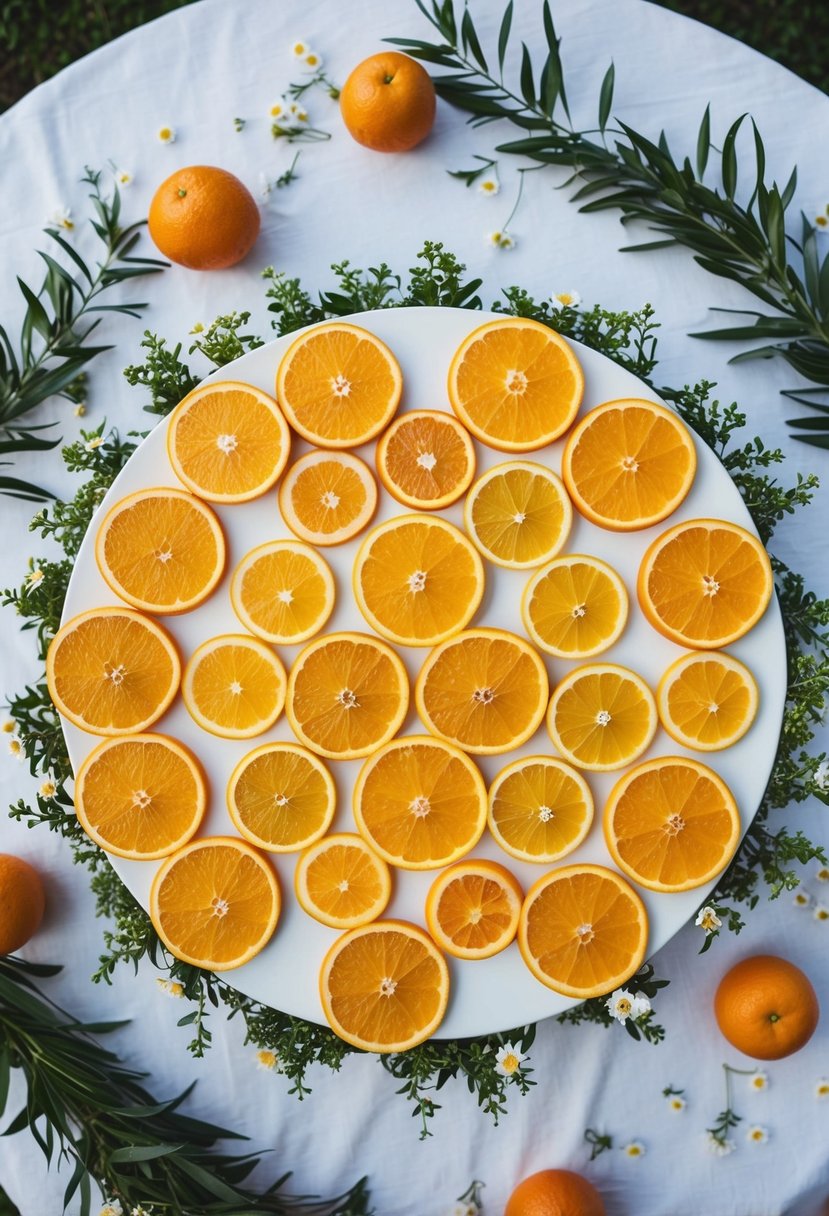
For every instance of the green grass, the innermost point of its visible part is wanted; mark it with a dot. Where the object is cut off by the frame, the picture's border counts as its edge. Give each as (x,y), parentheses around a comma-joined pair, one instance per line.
(40,37)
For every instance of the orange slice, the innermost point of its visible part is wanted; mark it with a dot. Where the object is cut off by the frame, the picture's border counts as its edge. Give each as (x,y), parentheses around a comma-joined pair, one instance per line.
(281,797)
(348,694)
(141,797)
(484,690)
(575,607)
(540,809)
(426,459)
(328,497)
(516,384)
(417,580)
(341,882)
(704,583)
(420,802)
(283,591)
(161,550)
(215,903)
(602,716)
(339,385)
(384,987)
(628,464)
(707,701)
(234,686)
(472,909)
(583,930)
(228,441)
(518,514)
(671,824)
(112,671)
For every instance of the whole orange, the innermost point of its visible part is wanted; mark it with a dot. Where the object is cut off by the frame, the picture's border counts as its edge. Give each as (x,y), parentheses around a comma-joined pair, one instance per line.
(21,902)
(555,1193)
(766,1007)
(203,218)
(388,102)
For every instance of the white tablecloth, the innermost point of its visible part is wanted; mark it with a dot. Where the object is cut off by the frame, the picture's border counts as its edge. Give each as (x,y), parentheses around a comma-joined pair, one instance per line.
(196,70)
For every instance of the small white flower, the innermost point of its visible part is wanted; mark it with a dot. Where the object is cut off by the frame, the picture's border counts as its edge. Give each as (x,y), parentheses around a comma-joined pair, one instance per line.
(113,1208)
(279,109)
(95,442)
(821,912)
(312,61)
(16,749)
(822,221)
(166,135)
(802,899)
(708,919)
(298,112)
(80,409)
(500,240)
(489,185)
(9,726)
(676,1103)
(822,775)
(757,1134)
(61,217)
(139,1211)
(300,48)
(565,299)
(35,578)
(508,1060)
(48,788)
(823,874)
(123,177)
(623,1005)
(170,987)
(822,1088)
(720,1148)
(266,1060)
(633,1150)
(759,1080)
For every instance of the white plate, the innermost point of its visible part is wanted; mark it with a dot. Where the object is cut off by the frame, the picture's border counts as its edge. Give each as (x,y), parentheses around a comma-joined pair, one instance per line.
(498,993)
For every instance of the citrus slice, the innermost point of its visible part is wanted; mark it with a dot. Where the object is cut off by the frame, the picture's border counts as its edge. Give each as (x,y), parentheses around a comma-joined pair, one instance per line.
(141,797)
(540,809)
(112,671)
(516,384)
(234,686)
(426,459)
(341,882)
(228,441)
(472,908)
(671,823)
(575,607)
(338,384)
(707,701)
(484,690)
(281,797)
(161,550)
(328,497)
(518,514)
(628,464)
(602,716)
(704,583)
(417,579)
(420,802)
(283,591)
(348,694)
(583,930)
(384,987)
(215,903)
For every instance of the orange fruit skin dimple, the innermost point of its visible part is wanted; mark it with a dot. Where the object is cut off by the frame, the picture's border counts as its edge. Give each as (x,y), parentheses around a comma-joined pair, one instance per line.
(555,1193)
(203,218)
(22,902)
(766,1007)
(388,102)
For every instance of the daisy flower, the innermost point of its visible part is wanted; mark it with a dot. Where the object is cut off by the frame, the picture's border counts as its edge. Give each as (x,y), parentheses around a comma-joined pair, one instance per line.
(500,240)
(16,749)
(802,899)
(79,410)
(759,1080)
(48,787)
(95,442)
(622,1005)
(565,299)
(489,185)
(720,1148)
(61,217)
(464,1209)
(635,1149)
(676,1103)
(166,135)
(821,912)
(822,775)
(9,726)
(279,109)
(508,1060)
(822,1087)
(822,220)
(300,48)
(266,1060)
(708,919)
(312,61)
(113,1208)
(123,177)
(757,1134)
(823,874)
(170,987)
(35,578)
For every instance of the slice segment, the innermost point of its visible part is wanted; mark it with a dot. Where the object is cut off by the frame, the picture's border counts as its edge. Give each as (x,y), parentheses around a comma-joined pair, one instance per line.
(671,823)
(384,987)
(215,903)
(283,591)
(281,797)
(707,701)
(540,809)
(516,384)
(328,497)
(142,797)
(472,908)
(628,464)
(112,671)
(234,686)
(583,930)
(417,580)
(228,441)
(518,514)
(704,583)
(420,802)
(339,385)
(426,459)
(575,607)
(602,716)
(161,550)
(341,882)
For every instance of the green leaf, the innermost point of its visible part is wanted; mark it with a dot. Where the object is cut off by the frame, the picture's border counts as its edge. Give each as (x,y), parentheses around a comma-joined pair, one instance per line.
(470,39)
(146,1152)
(527,82)
(36,315)
(704,142)
(503,34)
(555,55)
(823,287)
(815,441)
(606,97)
(760,160)
(729,158)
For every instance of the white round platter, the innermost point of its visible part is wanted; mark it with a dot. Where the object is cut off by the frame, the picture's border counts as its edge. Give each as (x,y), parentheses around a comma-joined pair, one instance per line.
(498,993)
